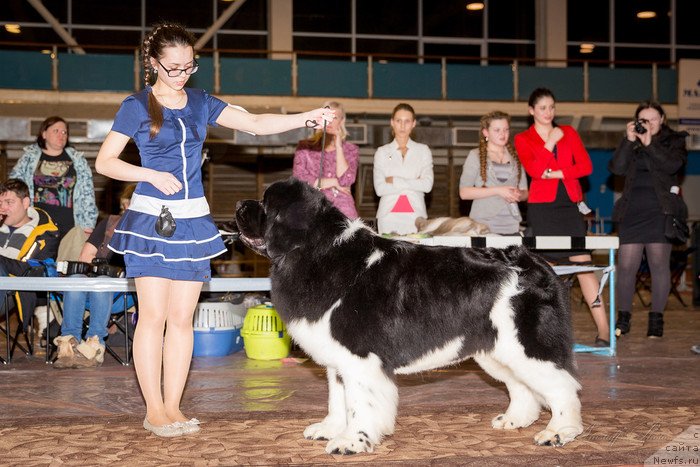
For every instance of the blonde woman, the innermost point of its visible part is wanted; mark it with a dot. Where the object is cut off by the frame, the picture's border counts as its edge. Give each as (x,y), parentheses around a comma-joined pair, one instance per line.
(493,177)
(340,161)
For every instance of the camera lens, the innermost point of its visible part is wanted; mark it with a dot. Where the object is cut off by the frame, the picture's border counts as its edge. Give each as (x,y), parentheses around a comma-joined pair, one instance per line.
(639,128)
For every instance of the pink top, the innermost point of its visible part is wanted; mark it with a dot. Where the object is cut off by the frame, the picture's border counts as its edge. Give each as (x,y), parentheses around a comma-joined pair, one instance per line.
(307,163)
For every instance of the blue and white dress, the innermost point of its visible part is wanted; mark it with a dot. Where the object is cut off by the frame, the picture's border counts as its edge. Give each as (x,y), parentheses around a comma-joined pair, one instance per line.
(176,149)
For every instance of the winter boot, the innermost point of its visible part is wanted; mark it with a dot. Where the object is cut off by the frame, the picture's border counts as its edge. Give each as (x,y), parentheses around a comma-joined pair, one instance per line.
(656,324)
(66,351)
(90,353)
(623,323)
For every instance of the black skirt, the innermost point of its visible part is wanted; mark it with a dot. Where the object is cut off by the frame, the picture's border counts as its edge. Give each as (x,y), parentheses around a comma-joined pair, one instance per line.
(644,221)
(560,217)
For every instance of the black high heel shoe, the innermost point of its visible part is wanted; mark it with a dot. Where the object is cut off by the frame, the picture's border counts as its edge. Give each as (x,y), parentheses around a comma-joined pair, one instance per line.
(656,325)
(623,325)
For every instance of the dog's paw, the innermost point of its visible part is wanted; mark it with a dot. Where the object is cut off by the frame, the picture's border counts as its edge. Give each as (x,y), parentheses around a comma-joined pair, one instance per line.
(350,443)
(507,421)
(325,430)
(560,437)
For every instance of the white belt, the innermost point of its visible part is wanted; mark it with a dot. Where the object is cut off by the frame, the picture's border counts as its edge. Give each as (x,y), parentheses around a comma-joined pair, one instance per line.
(179,208)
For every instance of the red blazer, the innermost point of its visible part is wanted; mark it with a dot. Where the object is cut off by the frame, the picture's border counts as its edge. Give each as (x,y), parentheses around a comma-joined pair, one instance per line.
(572,159)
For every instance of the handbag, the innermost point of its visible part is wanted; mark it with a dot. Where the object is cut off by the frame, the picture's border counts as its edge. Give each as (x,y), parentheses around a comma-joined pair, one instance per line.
(165,223)
(676,231)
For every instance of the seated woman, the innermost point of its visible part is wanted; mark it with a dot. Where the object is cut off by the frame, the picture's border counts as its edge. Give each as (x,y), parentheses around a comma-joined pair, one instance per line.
(339,162)
(493,177)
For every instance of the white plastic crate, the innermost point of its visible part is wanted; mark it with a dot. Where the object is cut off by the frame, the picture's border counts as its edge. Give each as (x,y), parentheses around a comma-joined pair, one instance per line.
(218,316)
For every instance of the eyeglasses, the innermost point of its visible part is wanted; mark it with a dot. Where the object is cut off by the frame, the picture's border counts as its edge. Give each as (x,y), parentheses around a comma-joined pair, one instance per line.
(175,72)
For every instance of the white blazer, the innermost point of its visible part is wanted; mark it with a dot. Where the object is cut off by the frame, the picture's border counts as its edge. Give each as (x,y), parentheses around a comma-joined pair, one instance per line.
(413,176)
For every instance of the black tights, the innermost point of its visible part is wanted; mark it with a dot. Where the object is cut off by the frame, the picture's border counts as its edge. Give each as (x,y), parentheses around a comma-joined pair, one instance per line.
(629,259)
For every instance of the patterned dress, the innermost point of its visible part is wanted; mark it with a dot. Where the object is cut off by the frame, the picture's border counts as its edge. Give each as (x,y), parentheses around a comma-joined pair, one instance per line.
(176,149)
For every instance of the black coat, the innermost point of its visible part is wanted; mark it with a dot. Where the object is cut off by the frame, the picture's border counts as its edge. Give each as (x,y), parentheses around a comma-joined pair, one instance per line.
(666,156)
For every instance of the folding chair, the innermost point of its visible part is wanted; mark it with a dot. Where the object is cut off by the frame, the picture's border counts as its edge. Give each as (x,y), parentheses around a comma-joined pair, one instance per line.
(12,341)
(14,301)
(679,263)
(121,304)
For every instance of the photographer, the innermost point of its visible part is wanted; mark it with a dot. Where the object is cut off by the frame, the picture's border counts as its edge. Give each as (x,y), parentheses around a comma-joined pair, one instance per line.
(650,157)
(72,352)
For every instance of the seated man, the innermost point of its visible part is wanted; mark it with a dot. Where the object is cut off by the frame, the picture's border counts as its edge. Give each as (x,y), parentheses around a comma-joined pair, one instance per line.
(25,233)
(72,352)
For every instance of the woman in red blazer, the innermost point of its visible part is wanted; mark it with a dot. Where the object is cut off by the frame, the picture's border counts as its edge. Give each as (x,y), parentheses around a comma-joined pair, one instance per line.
(555,159)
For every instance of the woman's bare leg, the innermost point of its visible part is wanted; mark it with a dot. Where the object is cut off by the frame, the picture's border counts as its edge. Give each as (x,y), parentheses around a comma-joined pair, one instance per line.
(177,351)
(154,297)
(589,288)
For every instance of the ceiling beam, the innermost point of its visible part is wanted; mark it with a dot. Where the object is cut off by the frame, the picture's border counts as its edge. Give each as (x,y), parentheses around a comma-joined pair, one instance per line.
(218,23)
(51,19)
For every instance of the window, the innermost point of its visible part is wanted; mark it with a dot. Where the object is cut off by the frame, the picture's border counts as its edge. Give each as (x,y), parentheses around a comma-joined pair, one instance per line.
(687,14)
(385,49)
(512,19)
(322,16)
(630,29)
(588,21)
(395,17)
(447,50)
(192,17)
(450,18)
(121,13)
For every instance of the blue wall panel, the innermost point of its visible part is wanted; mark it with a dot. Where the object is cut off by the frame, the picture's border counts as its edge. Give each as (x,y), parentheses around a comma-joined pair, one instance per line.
(204,78)
(475,82)
(565,83)
(332,78)
(619,85)
(25,70)
(256,76)
(598,186)
(407,80)
(668,86)
(95,72)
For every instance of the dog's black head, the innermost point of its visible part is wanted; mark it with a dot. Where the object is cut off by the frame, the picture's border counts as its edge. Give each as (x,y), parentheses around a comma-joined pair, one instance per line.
(281,222)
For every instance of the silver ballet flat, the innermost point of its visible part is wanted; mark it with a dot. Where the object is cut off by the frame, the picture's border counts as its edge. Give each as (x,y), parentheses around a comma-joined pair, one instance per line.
(190,426)
(166,431)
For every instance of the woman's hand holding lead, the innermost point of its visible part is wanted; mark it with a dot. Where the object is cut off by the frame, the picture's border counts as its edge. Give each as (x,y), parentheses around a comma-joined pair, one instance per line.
(320,115)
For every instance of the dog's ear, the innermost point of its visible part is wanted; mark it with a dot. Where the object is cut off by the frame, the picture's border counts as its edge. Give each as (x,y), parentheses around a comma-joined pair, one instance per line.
(292,208)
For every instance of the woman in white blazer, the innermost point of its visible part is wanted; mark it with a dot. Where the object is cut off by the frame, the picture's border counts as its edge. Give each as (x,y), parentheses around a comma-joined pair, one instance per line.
(403,174)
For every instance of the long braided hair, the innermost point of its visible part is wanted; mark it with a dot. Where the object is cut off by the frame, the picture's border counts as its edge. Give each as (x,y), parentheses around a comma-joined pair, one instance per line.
(483,158)
(161,36)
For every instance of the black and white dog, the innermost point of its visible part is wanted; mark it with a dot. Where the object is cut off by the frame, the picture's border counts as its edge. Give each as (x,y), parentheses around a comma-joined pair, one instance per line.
(368,308)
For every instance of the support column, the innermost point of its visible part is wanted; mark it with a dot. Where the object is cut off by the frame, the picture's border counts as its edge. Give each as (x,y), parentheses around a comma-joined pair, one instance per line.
(280,15)
(550,32)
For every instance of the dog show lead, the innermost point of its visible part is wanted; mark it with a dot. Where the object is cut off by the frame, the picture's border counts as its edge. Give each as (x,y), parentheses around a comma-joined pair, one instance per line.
(170,260)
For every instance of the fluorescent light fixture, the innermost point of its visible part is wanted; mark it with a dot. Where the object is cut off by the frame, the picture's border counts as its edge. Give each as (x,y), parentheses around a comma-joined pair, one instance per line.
(646,14)
(12,28)
(475,6)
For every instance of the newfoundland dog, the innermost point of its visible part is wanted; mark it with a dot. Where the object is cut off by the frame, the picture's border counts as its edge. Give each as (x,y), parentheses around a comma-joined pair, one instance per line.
(368,308)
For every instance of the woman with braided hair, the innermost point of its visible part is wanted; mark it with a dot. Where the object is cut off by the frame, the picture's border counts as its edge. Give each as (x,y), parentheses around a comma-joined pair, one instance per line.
(493,177)
(167,235)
